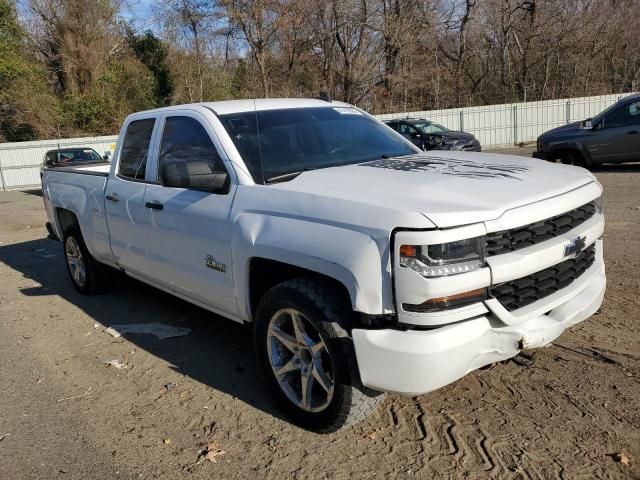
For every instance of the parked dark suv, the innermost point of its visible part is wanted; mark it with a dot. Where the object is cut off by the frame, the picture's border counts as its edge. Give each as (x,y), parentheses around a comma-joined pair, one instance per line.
(613,136)
(428,135)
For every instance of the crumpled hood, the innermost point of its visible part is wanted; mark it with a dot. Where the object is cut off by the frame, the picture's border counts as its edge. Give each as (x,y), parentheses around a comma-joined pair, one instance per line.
(449,188)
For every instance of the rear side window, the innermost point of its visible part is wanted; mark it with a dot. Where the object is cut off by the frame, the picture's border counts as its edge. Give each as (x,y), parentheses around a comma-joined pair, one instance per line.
(135,149)
(186,147)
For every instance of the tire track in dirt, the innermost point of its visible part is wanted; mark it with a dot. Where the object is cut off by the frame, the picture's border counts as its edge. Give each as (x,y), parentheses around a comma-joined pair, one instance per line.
(441,442)
(450,444)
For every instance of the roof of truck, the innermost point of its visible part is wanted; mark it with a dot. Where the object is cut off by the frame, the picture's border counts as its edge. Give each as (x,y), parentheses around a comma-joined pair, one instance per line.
(248,105)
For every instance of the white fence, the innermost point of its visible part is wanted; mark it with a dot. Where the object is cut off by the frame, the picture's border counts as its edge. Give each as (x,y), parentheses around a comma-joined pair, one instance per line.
(514,123)
(494,125)
(20,162)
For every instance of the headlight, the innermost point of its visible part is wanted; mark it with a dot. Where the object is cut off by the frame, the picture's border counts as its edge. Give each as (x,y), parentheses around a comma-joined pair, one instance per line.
(445,258)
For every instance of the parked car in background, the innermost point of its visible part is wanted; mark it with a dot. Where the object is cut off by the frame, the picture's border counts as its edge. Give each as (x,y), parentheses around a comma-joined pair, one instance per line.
(73,157)
(365,265)
(428,135)
(613,136)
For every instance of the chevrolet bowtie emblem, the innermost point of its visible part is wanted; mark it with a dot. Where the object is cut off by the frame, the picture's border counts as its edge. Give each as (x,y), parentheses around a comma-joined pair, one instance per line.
(575,246)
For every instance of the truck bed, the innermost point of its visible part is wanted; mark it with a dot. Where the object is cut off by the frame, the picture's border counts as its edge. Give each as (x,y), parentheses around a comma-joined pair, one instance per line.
(100,169)
(79,189)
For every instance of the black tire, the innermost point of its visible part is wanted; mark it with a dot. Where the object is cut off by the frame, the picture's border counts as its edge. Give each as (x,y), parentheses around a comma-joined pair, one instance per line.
(573,158)
(329,313)
(95,273)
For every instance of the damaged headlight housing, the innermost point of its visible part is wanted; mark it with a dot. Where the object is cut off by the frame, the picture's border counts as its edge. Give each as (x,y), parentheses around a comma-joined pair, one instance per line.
(444,259)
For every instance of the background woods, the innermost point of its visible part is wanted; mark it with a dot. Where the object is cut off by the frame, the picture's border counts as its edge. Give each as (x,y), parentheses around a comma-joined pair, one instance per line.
(73,67)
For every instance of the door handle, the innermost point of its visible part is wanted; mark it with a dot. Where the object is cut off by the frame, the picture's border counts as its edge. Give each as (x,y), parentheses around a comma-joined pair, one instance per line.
(155,205)
(113,197)
(632,132)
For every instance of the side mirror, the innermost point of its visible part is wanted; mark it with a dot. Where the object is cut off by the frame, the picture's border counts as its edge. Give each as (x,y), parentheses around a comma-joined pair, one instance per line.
(194,175)
(416,135)
(106,155)
(587,124)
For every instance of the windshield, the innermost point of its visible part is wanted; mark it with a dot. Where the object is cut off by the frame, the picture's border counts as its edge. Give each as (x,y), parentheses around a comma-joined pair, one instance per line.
(430,127)
(299,139)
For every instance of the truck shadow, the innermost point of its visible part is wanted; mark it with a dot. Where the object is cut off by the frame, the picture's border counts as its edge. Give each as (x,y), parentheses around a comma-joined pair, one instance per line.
(33,191)
(218,352)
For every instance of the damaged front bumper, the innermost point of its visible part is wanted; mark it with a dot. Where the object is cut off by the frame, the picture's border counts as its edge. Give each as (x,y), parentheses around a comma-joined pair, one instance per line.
(414,362)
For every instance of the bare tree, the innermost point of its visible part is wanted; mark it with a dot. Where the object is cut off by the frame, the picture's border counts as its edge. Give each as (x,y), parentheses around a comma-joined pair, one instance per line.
(259,21)
(75,38)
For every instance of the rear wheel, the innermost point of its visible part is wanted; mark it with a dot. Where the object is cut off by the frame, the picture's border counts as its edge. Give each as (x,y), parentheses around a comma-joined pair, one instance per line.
(86,274)
(307,358)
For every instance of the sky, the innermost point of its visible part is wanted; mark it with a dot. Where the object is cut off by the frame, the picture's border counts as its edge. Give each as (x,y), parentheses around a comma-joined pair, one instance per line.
(140,13)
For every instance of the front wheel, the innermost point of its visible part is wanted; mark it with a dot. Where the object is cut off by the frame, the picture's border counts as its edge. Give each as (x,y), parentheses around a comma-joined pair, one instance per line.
(307,358)
(573,158)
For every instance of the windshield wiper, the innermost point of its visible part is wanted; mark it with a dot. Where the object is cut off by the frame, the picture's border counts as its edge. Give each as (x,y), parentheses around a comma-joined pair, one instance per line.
(291,175)
(286,176)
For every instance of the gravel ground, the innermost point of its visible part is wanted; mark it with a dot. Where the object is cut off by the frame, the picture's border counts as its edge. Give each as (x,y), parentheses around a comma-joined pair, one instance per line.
(65,413)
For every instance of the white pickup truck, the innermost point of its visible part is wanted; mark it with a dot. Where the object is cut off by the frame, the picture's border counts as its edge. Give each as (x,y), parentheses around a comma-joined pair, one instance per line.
(365,265)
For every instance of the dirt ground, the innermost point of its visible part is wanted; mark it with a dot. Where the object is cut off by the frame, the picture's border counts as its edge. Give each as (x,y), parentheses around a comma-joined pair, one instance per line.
(66,414)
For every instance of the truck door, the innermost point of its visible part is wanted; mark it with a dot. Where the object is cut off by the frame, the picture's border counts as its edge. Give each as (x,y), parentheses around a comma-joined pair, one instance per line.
(617,136)
(127,216)
(189,238)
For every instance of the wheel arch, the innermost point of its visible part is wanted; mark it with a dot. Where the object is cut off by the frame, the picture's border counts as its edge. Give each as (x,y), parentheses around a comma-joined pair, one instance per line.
(65,218)
(572,148)
(265,273)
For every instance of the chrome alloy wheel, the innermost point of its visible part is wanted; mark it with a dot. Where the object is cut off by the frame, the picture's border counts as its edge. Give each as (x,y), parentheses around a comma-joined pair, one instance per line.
(75,261)
(300,360)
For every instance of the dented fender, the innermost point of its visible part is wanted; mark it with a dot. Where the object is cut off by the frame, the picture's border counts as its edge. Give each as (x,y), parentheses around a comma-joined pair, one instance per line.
(350,257)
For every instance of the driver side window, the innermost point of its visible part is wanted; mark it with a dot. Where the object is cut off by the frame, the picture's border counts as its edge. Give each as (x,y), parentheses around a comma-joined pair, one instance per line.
(623,116)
